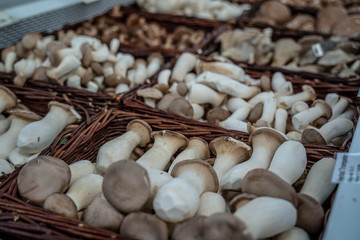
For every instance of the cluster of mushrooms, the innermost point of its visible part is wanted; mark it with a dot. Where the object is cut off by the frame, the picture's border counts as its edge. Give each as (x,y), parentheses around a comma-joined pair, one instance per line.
(24,134)
(318,3)
(136,30)
(205,9)
(255,46)
(156,195)
(332,19)
(77,61)
(221,93)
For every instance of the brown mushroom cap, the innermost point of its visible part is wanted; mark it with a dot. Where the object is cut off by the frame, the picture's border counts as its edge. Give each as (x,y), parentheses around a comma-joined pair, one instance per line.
(262,182)
(164,103)
(87,77)
(43,176)
(265,83)
(267,135)
(29,40)
(126,186)
(6,95)
(40,74)
(182,107)
(310,214)
(25,114)
(312,136)
(97,68)
(87,54)
(190,229)
(223,145)
(52,52)
(217,114)
(152,93)
(256,112)
(144,226)
(182,89)
(347,26)
(328,17)
(142,128)
(101,214)
(61,204)
(172,134)
(318,123)
(198,167)
(325,106)
(240,200)
(276,11)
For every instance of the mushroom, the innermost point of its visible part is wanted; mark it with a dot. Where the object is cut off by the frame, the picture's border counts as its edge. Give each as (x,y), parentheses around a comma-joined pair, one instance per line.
(211,203)
(114,45)
(192,228)
(155,61)
(264,141)
(38,135)
(185,63)
(340,107)
(140,72)
(79,169)
(150,95)
(347,26)
(297,107)
(284,51)
(7,98)
(217,114)
(144,226)
(179,198)
(18,157)
(332,99)
(182,107)
(36,179)
(276,11)
(327,132)
(226,69)
(24,69)
(239,200)
(68,65)
(256,112)
(294,233)
(308,94)
(267,216)
(328,17)
(137,134)
(281,116)
(166,143)
(234,124)
(101,214)
(82,193)
(164,103)
(197,149)
(8,56)
(201,94)
(227,85)
(19,119)
(294,135)
(4,124)
(126,186)
(229,152)
(318,109)
(6,167)
(61,204)
(125,62)
(101,54)
(164,76)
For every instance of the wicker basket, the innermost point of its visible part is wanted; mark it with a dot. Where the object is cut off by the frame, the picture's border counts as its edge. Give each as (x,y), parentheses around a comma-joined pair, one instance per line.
(23,221)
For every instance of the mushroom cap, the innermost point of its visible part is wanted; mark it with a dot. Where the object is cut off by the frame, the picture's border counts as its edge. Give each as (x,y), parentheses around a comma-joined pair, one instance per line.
(52,52)
(310,214)
(126,186)
(8,96)
(262,182)
(164,103)
(182,89)
(312,136)
(240,200)
(182,107)
(328,17)
(255,112)
(25,114)
(198,167)
(88,75)
(223,145)
(197,141)
(101,214)
(36,180)
(97,68)
(87,54)
(29,40)
(171,135)
(142,128)
(190,229)
(276,11)
(61,204)
(327,108)
(347,26)
(267,134)
(152,93)
(217,114)
(144,226)
(162,87)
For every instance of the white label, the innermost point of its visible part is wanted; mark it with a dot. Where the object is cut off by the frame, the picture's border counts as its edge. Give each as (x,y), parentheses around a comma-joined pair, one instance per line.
(347,168)
(5,19)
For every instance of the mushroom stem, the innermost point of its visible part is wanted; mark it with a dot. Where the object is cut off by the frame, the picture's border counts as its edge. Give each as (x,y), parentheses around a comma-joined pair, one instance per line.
(183,65)
(69,64)
(18,157)
(227,69)
(166,143)
(80,169)
(267,216)
(281,116)
(6,167)
(234,104)
(234,124)
(340,107)
(308,94)
(211,203)
(294,233)
(200,94)
(164,76)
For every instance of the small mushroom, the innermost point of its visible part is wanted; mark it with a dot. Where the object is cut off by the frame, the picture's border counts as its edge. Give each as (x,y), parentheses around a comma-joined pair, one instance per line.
(202,94)
(36,179)
(217,114)
(227,69)
(7,98)
(275,11)
(185,63)
(126,186)
(68,65)
(144,226)
(61,204)
(155,61)
(308,94)
(285,50)
(182,107)
(150,95)
(256,112)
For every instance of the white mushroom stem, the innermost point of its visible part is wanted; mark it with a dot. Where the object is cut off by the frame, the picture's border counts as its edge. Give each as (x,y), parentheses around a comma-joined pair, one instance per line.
(157,179)
(267,216)
(308,94)
(285,90)
(183,65)
(281,116)
(202,94)
(332,98)
(25,68)
(335,128)
(4,123)
(295,233)
(38,135)
(164,76)
(298,107)
(70,51)
(6,167)
(74,81)
(261,97)
(211,203)
(198,111)
(278,79)
(293,135)
(154,65)
(339,107)
(234,124)
(101,54)
(67,65)
(227,85)
(80,169)
(227,69)
(78,40)
(114,45)
(197,149)
(289,161)
(92,87)
(190,78)
(348,113)
(269,109)
(18,157)
(304,118)
(126,61)
(140,72)
(9,61)
(121,88)
(82,193)
(165,145)
(150,102)
(318,183)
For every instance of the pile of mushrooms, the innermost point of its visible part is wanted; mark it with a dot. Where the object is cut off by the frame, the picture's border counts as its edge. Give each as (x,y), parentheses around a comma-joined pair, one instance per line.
(206,9)
(136,30)
(24,134)
(175,191)
(255,46)
(77,61)
(332,19)
(221,93)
